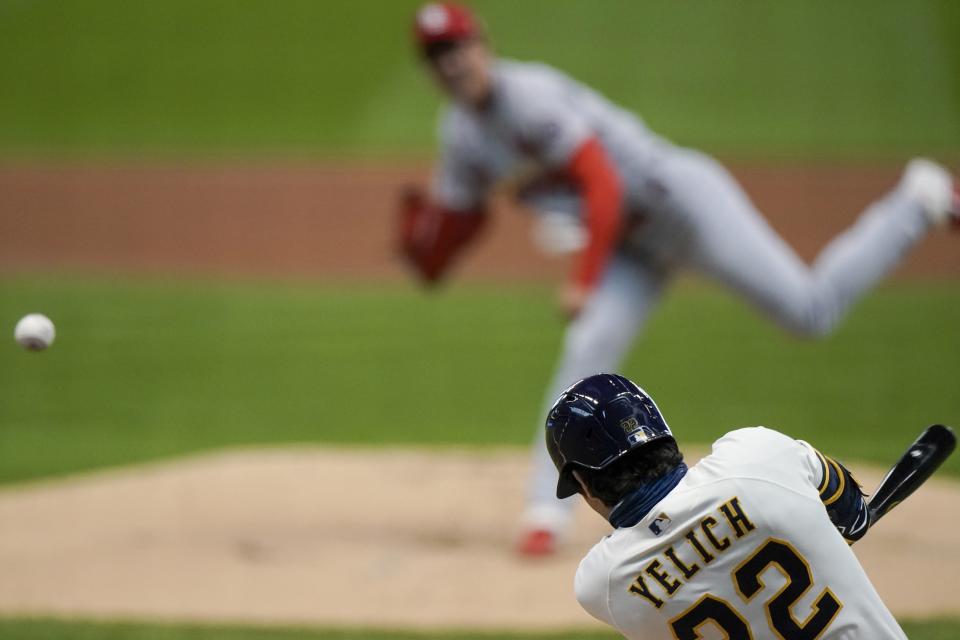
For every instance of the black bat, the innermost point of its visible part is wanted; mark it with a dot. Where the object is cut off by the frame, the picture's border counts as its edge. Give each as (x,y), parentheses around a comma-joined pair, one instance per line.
(923,457)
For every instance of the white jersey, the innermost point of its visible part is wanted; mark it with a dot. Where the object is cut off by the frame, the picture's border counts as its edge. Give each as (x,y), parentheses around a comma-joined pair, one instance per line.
(741,548)
(537,118)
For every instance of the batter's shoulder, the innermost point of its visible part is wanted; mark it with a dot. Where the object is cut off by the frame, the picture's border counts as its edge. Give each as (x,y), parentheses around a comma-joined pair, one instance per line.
(761,453)
(753,443)
(753,437)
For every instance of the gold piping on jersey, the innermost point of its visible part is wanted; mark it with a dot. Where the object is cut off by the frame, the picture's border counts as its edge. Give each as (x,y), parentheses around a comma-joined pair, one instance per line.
(824,472)
(840,487)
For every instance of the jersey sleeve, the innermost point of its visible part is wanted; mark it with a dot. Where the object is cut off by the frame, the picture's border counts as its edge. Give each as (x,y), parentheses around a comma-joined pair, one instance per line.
(602,196)
(820,471)
(591,586)
(841,495)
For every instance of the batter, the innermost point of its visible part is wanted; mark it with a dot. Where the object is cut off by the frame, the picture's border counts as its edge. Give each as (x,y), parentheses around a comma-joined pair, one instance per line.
(647,209)
(751,542)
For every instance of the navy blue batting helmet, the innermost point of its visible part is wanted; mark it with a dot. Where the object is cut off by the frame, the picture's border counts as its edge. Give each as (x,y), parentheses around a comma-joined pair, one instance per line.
(596,422)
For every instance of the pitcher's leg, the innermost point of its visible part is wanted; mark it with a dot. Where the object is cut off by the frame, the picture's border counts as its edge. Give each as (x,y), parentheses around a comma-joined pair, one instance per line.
(734,243)
(884,234)
(596,341)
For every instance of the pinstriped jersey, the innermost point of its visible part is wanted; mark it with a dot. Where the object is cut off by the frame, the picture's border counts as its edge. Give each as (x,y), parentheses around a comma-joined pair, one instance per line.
(741,548)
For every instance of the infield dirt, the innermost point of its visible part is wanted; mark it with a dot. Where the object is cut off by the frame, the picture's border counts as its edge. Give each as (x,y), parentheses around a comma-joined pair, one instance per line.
(373,538)
(336,221)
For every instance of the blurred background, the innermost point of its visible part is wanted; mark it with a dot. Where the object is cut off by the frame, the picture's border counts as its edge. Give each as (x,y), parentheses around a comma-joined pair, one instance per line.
(200,194)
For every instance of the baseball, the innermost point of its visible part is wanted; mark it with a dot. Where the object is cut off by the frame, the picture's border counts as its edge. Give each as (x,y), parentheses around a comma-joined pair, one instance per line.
(34,332)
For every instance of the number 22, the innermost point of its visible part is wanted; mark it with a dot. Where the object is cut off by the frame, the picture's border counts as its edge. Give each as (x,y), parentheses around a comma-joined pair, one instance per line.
(746,578)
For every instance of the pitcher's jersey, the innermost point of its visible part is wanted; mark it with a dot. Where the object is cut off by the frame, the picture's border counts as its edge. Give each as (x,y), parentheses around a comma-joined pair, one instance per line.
(537,118)
(741,548)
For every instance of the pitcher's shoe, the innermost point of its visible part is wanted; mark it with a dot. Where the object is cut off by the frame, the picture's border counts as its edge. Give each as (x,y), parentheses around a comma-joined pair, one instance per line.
(932,186)
(535,543)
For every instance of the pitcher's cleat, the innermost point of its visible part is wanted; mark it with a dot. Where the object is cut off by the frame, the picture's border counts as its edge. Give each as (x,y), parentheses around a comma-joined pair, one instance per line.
(932,186)
(537,543)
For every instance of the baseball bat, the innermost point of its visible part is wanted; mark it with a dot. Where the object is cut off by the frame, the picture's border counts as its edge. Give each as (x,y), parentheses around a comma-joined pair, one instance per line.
(928,452)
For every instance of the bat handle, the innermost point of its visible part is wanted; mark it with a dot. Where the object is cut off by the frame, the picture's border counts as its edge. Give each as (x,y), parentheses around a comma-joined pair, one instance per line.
(917,464)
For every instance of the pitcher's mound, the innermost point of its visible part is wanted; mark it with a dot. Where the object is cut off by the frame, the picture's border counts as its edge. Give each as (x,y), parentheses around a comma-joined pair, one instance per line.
(373,538)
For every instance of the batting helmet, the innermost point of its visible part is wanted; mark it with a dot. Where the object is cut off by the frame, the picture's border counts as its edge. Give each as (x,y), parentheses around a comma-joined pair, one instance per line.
(596,422)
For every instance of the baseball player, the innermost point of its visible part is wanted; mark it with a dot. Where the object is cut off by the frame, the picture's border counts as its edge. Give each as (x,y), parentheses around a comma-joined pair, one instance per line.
(751,542)
(647,209)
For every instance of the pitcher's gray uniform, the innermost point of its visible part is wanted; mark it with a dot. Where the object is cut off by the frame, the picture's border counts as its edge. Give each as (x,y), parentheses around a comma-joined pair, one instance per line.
(741,543)
(682,210)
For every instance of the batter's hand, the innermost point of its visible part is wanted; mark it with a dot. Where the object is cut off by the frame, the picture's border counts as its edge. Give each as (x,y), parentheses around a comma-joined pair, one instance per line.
(573,298)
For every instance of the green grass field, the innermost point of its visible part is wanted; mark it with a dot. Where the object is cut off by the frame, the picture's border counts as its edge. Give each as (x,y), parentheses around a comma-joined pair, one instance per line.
(14,629)
(147,369)
(141,370)
(179,77)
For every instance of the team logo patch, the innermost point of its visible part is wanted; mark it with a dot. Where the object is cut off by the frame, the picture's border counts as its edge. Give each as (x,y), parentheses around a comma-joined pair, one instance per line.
(636,433)
(660,524)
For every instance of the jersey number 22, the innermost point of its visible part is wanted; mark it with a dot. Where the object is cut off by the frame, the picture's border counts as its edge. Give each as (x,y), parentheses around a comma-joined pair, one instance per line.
(746,579)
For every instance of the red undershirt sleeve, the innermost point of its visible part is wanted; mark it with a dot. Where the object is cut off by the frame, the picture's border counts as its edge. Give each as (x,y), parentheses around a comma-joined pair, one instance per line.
(591,170)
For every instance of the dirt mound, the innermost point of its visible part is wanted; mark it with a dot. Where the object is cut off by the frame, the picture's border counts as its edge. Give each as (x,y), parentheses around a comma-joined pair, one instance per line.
(378,538)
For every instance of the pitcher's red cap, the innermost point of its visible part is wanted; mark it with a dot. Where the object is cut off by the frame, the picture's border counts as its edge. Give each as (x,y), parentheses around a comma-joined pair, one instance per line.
(444,22)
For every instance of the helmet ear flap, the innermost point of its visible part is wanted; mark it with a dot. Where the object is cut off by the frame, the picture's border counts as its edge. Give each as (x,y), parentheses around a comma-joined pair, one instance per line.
(567,485)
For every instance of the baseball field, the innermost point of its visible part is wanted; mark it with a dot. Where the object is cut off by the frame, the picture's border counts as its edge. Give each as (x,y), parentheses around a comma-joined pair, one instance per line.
(253,425)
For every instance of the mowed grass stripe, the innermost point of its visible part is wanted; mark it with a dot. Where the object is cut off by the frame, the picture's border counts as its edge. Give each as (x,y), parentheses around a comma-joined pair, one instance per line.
(49,629)
(146,369)
(176,77)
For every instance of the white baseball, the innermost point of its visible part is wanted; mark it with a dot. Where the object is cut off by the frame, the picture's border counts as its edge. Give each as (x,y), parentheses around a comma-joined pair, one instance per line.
(34,332)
